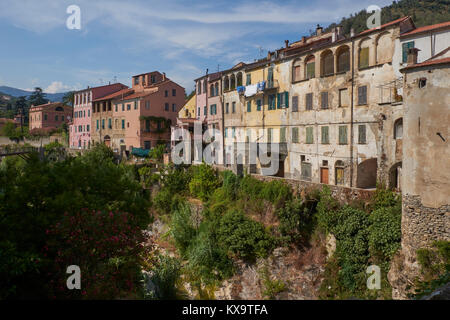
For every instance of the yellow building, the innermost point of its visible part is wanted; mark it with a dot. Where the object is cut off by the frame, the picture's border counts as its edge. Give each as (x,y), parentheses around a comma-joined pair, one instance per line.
(189,108)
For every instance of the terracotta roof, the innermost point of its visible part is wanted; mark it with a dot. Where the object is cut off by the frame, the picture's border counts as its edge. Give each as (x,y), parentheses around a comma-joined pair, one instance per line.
(139,94)
(104,86)
(428,63)
(384,25)
(427,28)
(115,94)
(6,120)
(48,105)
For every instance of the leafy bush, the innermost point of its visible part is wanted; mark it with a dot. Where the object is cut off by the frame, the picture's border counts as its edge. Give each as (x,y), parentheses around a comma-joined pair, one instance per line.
(327,209)
(166,202)
(244,237)
(182,229)
(204,181)
(250,188)
(271,287)
(277,192)
(166,277)
(385,232)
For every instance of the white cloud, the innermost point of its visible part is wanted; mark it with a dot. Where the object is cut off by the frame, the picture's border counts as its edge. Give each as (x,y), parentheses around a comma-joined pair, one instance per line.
(58,86)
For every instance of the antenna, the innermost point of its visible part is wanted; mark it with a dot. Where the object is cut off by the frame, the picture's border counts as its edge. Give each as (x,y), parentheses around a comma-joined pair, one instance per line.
(115,79)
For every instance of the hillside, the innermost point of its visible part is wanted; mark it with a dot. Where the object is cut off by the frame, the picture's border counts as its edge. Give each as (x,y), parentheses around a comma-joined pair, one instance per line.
(14,92)
(423,12)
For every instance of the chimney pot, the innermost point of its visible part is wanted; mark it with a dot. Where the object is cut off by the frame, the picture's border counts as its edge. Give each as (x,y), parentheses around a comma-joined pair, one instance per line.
(319,30)
(286,42)
(412,56)
(352,32)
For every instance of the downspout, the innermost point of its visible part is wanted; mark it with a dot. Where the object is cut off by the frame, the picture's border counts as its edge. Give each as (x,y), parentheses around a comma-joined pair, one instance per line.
(223,122)
(351,113)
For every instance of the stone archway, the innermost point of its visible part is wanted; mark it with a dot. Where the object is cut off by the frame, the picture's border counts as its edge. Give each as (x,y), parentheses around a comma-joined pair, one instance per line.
(366,177)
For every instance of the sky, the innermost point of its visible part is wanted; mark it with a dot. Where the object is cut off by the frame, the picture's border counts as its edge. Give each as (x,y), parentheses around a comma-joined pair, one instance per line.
(119,39)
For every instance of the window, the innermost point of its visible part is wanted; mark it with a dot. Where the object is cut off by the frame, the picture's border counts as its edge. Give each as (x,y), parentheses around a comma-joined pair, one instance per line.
(309,101)
(295,104)
(174,107)
(88,128)
(56,118)
(166,93)
(174,92)
(405,50)
(211,91)
(123,107)
(199,88)
(233,132)
(213,110)
(227,107)
(198,112)
(343,98)
(147,105)
(136,80)
(362,95)
(306,171)
(123,124)
(271,101)
(115,107)
(233,107)
(109,124)
(362,134)
(325,136)
(249,106)
(270,81)
(324,100)
(283,134)
(205,110)
(258,104)
(153,78)
(62,118)
(147,145)
(296,70)
(269,134)
(249,79)
(343,135)
(310,70)
(283,100)
(422,82)
(398,129)
(217,89)
(343,59)
(309,135)
(327,63)
(295,135)
(166,106)
(97,125)
(128,107)
(45,117)
(363,57)
(103,123)
(135,105)
(339,167)
(226,132)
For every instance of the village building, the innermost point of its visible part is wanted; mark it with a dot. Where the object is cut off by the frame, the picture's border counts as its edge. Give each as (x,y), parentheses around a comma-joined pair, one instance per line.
(49,116)
(138,117)
(80,127)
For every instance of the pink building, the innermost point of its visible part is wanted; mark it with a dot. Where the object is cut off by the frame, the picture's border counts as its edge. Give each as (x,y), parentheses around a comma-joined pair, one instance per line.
(139,117)
(80,127)
(49,116)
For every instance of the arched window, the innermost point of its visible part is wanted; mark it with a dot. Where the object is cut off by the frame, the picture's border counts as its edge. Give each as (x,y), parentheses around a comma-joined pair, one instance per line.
(211,90)
(239,79)
(384,48)
(204,86)
(339,172)
(363,53)
(296,70)
(327,63)
(232,82)
(199,87)
(226,83)
(343,59)
(216,87)
(398,129)
(310,67)
(59,109)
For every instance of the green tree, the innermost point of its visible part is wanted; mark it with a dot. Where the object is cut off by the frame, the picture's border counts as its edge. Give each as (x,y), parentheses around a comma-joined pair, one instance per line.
(37,97)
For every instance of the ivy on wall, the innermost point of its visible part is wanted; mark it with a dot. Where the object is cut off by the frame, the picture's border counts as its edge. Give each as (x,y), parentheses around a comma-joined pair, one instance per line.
(163,123)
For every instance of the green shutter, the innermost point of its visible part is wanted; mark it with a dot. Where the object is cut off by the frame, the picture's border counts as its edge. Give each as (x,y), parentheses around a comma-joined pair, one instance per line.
(325,137)
(286,99)
(364,57)
(343,135)
(362,134)
(283,134)
(309,135)
(249,106)
(278,101)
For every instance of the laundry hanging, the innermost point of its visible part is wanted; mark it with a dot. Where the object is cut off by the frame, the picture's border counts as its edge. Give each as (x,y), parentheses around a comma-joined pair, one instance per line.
(261,86)
(240,89)
(251,90)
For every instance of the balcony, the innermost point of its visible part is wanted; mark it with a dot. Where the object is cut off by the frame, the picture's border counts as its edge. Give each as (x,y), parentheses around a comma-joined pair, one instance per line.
(272,84)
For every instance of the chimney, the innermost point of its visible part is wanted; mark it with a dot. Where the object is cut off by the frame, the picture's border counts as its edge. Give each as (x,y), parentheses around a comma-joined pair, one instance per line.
(412,56)
(339,31)
(319,30)
(269,55)
(303,39)
(334,35)
(352,32)
(207,71)
(164,76)
(286,42)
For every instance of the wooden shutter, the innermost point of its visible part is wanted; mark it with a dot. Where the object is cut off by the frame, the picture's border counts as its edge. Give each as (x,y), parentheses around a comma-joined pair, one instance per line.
(286,99)
(283,134)
(294,103)
(309,101)
(362,95)
(310,70)
(343,135)
(309,135)
(278,100)
(324,100)
(364,57)
(325,138)
(249,106)
(295,135)
(362,134)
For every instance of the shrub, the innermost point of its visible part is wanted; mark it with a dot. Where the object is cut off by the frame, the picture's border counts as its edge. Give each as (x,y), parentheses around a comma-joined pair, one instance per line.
(244,237)
(204,181)
(166,202)
(176,179)
(166,277)
(385,232)
(276,192)
(250,188)
(271,287)
(182,229)
(327,210)
(230,184)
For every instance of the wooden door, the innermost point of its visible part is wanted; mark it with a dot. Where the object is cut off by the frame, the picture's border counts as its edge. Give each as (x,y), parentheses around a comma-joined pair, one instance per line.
(324,175)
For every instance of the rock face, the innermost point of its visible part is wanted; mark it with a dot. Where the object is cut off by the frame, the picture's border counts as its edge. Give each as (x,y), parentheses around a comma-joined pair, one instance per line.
(442,293)
(300,271)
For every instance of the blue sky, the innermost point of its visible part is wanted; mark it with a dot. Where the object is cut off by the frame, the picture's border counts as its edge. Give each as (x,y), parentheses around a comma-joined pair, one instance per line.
(123,38)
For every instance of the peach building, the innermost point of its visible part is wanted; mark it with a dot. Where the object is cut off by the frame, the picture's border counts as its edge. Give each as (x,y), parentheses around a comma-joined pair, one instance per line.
(49,116)
(80,127)
(139,117)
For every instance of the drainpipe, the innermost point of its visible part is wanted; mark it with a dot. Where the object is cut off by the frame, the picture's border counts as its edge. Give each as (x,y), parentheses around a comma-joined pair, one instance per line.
(223,122)
(351,113)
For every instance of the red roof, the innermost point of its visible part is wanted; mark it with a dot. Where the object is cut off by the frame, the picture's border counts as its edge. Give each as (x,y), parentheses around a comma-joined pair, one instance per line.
(427,28)
(385,25)
(428,63)
(115,94)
